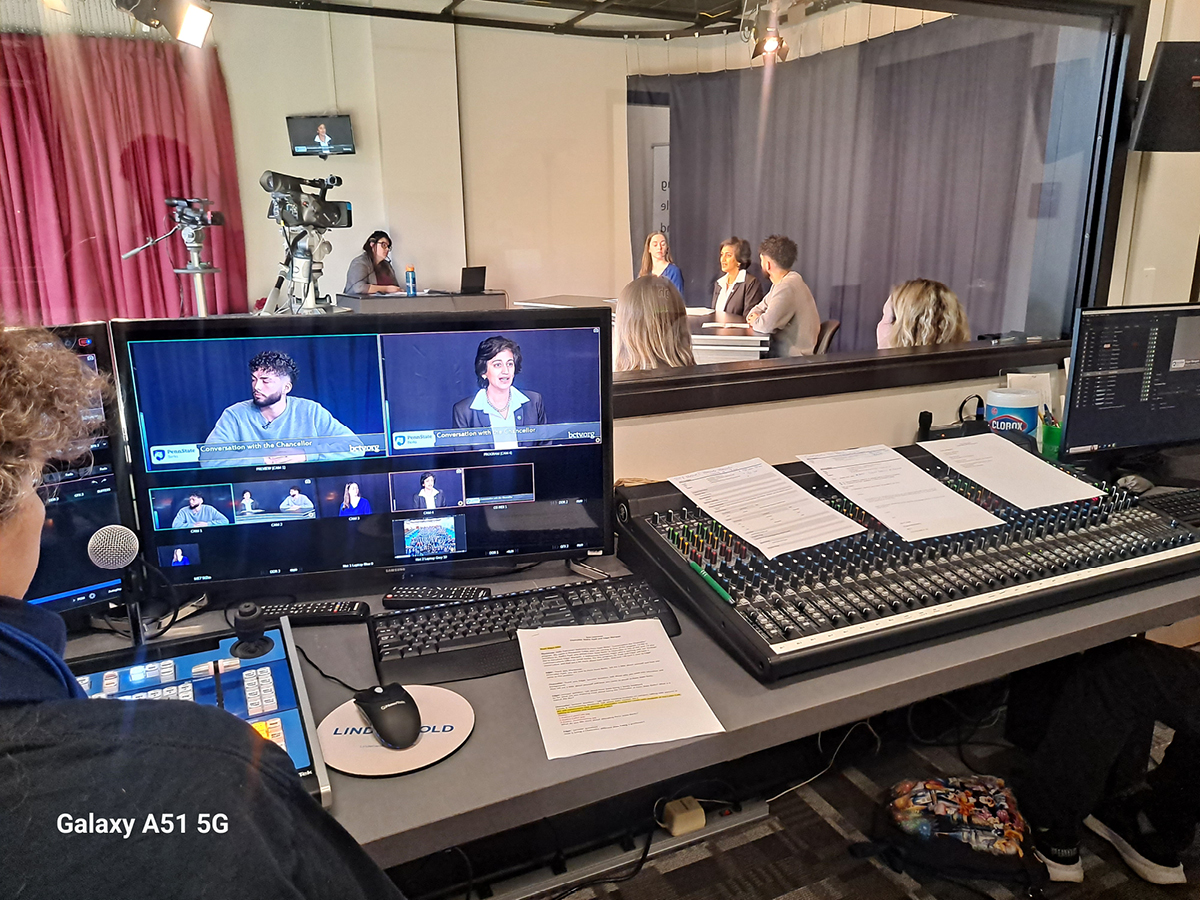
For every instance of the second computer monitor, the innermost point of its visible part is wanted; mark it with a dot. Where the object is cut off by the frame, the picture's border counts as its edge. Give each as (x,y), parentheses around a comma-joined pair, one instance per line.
(354,445)
(1134,381)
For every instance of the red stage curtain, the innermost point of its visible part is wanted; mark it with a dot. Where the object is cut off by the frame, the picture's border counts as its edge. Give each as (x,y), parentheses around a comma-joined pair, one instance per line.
(95,134)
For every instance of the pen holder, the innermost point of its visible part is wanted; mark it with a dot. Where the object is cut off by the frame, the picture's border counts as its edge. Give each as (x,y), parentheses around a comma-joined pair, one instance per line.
(1051,439)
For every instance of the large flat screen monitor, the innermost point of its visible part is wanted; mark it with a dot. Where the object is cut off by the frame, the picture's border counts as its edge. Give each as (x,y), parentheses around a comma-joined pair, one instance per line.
(346,446)
(81,497)
(1135,380)
(320,135)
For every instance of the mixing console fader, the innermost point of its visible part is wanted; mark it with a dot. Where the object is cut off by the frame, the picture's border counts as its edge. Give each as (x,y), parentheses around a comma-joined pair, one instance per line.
(874,591)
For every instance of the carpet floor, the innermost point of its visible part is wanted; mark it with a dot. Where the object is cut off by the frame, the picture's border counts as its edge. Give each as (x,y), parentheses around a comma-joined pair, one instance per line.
(800,851)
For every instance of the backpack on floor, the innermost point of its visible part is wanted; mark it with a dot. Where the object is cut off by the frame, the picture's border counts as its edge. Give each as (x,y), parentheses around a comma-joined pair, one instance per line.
(962,828)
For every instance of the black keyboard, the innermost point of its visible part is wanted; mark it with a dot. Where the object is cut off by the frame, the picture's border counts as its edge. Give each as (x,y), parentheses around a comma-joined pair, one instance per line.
(1184,506)
(455,640)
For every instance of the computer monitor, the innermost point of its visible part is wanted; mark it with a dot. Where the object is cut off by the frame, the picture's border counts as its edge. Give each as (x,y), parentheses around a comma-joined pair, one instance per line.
(1134,381)
(473,279)
(82,497)
(332,451)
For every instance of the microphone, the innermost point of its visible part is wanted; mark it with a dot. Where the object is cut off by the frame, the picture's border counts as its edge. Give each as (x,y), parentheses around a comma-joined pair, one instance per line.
(113,547)
(116,547)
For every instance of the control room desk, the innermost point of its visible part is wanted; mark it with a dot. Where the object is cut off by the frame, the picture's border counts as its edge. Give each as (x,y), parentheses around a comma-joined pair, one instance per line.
(439,301)
(501,779)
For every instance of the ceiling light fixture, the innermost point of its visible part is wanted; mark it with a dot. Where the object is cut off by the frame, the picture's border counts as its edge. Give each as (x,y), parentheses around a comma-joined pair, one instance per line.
(186,21)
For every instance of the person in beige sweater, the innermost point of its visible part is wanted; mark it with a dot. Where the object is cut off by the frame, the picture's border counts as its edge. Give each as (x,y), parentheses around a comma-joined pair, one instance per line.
(788,313)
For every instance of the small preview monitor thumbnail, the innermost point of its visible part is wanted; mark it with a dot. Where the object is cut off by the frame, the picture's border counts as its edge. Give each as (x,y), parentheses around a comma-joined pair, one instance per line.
(427,489)
(262,401)
(274,501)
(178,555)
(352,495)
(432,536)
(202,506)
(498,484)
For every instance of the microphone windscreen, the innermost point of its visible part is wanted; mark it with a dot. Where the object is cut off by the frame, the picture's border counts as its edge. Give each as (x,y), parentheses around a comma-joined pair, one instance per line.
(113,547)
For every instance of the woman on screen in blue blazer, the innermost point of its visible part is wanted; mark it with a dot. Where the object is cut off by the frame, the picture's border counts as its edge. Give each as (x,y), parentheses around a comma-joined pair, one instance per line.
(656,260)
(353,502)
(499,404)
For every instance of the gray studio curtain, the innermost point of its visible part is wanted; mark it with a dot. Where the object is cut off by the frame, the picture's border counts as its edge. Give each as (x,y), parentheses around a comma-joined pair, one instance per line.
(907,156)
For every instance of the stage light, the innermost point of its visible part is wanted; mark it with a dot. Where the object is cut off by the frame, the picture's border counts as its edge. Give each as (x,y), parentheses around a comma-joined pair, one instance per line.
(186,21)
(769,43)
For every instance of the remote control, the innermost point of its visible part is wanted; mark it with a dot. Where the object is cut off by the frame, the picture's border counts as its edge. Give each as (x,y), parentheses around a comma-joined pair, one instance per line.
(319,612)
(404,595)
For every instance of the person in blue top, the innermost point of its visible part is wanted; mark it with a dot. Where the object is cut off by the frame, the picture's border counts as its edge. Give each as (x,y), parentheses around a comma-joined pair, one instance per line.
(656,260)
(296,502)
(353,502)
(178,559)
(272,414)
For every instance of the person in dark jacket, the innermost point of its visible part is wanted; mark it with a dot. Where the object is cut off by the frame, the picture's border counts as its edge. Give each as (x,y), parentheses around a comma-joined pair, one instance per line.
(736,291)
(82,780)
(499,404)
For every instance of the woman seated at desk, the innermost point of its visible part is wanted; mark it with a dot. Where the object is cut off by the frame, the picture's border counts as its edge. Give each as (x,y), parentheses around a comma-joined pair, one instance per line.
(371,272)
(736,291)
(919,313)
(656,260)
(651,326)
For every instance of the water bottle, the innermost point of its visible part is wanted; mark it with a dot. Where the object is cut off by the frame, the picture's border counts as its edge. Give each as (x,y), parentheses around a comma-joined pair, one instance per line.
(410,281)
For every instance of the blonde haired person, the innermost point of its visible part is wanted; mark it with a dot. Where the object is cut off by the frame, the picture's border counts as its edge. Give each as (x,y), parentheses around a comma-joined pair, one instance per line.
(656,260)
(651,325)
(64,754)
(919,313)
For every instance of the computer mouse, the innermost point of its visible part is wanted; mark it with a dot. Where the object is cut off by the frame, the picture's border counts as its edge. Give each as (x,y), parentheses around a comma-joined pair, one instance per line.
(392,714)
(1135,483)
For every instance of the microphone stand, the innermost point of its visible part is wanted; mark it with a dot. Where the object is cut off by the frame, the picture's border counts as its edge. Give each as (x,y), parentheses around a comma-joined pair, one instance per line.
(133,588)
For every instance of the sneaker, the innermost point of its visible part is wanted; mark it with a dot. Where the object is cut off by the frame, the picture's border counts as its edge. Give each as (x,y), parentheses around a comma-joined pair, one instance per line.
(1060,857)
(1149,854)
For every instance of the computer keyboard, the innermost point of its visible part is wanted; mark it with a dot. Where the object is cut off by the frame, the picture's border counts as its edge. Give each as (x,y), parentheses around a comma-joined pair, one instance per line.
(1183,506)
(455,640)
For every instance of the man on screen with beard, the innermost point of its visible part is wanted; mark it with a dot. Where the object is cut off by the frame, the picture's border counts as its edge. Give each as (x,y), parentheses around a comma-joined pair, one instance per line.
(272,414)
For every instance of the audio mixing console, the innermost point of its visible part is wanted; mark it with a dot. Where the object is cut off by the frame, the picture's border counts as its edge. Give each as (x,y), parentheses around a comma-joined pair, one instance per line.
(874,591)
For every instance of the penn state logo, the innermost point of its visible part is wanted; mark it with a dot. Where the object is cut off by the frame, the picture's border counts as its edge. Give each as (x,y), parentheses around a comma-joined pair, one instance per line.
(159,455)
(397,441)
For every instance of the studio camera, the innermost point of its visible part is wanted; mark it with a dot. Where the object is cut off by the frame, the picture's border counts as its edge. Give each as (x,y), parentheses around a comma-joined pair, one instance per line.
(194,212)
(303,219)
(293,207)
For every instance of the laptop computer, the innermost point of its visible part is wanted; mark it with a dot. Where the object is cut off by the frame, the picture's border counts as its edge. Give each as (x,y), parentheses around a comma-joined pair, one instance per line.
(473,278)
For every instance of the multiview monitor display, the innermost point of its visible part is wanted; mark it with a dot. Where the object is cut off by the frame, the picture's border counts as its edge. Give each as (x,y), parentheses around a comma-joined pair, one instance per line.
(81,497)
(288,447)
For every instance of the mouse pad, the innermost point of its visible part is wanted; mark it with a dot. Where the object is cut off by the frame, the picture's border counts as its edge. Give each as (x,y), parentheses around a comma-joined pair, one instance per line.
(349,744)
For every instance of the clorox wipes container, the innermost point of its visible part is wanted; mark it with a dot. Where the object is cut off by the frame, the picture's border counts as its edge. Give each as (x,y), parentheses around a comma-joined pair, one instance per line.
(1012,409)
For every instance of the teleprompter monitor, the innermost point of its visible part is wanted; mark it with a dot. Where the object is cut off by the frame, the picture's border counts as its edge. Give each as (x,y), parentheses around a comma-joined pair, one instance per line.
(1134,381)
(335,449)
(82,496)
(320,135)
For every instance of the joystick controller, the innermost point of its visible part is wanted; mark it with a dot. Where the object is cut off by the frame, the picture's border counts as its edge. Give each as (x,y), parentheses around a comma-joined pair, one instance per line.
(249,624)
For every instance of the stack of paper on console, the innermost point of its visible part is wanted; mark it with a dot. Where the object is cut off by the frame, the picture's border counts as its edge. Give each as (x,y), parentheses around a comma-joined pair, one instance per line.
(764,507)
(1024,480)
(906,499)
(603,687)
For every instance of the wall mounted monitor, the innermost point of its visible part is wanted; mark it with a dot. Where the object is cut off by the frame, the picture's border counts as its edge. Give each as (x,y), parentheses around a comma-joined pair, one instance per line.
(82,497)
(1168,114)
(1135,380)
(337,448)
(320,135)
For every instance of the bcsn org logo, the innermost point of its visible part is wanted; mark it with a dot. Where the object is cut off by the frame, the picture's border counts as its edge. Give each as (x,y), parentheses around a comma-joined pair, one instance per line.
(367,729)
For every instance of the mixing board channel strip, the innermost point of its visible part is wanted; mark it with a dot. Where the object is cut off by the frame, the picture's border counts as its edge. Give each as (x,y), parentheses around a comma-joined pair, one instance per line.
(873,591)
